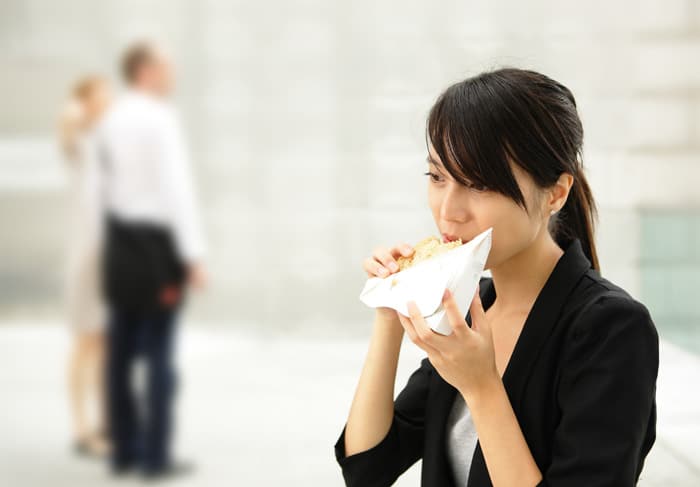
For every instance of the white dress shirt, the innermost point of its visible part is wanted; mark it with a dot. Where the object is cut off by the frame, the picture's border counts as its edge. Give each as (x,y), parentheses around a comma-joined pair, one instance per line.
(148,177)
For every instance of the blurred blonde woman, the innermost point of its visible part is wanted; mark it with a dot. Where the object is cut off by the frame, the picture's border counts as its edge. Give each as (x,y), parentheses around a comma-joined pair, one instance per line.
(84,108)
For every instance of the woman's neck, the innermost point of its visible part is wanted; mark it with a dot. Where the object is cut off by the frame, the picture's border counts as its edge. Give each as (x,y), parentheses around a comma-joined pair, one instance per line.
(519,280)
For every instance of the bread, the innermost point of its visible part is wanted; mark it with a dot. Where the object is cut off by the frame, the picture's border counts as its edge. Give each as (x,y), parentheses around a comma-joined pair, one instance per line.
(425,249)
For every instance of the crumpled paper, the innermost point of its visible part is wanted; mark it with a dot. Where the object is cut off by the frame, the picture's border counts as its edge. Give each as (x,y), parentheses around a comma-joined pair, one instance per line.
(458,269)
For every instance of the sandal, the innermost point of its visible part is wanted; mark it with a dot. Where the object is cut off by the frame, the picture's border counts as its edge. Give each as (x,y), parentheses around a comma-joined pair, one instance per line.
(95,445)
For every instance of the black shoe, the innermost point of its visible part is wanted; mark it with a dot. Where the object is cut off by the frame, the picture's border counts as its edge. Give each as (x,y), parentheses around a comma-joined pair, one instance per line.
(170,471)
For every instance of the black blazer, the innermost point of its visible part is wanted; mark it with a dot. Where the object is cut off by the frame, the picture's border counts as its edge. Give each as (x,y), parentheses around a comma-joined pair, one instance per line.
(581,381)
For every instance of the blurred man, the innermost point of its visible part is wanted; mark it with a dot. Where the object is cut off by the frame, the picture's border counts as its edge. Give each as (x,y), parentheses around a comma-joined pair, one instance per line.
(153,250)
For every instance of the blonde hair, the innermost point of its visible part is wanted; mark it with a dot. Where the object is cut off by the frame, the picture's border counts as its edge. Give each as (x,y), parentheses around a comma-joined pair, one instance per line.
(86,86)
(71,115)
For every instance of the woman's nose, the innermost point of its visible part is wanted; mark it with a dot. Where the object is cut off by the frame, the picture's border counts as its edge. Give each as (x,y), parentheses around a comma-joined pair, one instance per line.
(454,207)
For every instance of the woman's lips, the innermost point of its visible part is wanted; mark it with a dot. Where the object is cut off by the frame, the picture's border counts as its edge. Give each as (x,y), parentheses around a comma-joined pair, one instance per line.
(446,238)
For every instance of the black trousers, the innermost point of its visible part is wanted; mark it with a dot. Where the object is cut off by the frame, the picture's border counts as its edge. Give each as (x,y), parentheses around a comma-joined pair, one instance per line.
(141,424)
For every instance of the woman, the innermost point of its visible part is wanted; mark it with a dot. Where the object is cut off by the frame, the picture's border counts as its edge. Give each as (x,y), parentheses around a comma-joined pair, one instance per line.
(550,378)
(86,105)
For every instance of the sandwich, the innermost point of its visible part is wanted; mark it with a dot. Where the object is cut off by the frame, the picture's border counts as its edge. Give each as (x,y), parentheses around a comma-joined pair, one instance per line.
(425,249)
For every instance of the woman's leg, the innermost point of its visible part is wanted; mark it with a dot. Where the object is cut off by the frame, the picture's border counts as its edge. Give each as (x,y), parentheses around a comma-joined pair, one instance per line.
(76,385)
(100,352)
(96,371)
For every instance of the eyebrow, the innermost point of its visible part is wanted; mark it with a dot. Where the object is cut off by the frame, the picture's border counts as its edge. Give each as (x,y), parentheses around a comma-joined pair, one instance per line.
(432,161)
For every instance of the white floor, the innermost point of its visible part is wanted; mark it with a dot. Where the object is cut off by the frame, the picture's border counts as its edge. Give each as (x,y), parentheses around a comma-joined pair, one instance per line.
(262,411)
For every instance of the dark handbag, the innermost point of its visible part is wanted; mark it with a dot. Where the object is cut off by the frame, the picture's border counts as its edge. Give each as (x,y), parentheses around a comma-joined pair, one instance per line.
(141,268)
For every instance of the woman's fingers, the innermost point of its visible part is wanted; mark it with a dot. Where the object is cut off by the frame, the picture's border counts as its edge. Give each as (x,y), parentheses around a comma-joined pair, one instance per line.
(423,330)
(454,315)
(413,334)
(374,268)
(381,264)
(403,249)
(384,257)
(383,261)
(408,327)
(411,331)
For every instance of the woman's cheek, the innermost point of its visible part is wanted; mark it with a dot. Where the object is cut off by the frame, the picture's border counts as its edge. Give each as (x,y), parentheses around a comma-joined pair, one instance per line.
(434,202)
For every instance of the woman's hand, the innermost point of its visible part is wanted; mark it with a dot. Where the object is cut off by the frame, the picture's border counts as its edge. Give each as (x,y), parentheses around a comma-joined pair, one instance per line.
(383,263)
(466,358)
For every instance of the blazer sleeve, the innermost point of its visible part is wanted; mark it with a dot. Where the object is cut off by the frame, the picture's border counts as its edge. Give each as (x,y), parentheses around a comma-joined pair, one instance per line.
(402,446)
(607,397)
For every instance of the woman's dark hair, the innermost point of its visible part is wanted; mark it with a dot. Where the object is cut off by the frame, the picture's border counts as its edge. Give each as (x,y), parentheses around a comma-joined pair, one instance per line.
(477,125)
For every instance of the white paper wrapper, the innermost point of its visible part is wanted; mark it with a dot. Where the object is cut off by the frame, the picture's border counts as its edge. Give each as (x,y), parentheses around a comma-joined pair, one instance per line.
(458,269)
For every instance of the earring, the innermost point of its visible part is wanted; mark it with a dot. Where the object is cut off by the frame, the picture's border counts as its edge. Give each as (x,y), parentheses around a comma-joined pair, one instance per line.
(552,212)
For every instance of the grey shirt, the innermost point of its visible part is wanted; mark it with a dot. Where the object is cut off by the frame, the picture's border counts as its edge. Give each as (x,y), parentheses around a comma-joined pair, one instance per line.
(461,440)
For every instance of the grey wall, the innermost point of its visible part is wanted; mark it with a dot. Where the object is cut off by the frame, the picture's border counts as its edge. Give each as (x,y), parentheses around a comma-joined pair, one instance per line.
(306,125)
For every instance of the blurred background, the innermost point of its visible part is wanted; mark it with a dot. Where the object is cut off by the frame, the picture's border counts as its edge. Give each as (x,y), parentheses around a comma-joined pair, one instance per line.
(305,123)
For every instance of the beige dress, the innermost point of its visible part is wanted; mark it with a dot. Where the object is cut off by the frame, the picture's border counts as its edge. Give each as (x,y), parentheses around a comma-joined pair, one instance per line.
(83,297)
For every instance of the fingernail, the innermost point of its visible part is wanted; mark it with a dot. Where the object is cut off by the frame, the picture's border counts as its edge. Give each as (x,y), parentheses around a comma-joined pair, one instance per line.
(447,294)
(382,271)
(394,266)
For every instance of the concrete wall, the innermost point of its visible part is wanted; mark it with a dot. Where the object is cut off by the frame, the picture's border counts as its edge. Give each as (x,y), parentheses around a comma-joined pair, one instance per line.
(306,122)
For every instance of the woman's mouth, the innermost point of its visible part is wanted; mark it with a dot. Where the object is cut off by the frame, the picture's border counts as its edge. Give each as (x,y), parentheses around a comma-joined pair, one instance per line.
(447,238)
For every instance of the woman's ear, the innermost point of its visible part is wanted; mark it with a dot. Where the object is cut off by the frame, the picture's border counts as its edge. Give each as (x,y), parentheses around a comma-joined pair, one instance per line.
(559,192)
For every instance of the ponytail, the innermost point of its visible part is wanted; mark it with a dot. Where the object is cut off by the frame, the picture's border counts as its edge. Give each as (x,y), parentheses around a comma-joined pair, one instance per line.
(577,219)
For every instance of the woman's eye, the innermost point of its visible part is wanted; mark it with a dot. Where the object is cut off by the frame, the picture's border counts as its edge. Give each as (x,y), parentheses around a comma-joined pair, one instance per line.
(433,177)
(476,187)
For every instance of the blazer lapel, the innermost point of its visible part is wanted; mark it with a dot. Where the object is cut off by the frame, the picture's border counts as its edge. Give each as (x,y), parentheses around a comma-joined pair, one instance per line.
(542,318)
(538,326)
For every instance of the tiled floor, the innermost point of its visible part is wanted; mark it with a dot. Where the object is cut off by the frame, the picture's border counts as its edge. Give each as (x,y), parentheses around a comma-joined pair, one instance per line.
(262,411)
